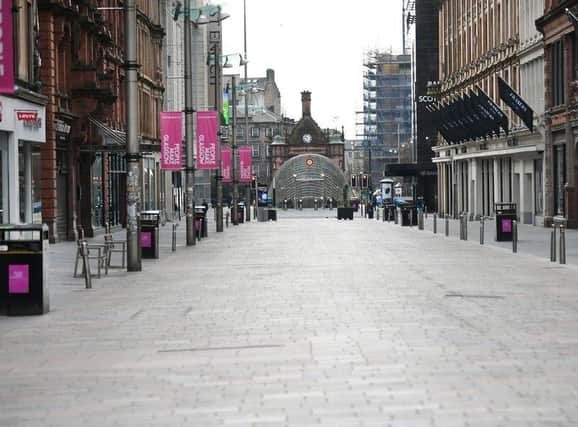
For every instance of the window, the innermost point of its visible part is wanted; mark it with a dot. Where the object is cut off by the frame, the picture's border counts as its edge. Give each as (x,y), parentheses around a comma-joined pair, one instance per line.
(24,40)
(254,132)
(255,148)
(268,132)
(557,96)
(240,131)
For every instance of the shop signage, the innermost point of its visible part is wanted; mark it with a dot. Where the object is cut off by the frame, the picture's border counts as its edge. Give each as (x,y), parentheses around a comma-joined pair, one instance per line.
(226,157)
(61,126)
(6,47)
(27,116)
(171,140)
(207,140)
(245,167)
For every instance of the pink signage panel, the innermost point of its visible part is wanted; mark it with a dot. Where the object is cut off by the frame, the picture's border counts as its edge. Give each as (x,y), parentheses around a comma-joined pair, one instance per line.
(506,225)
(171,140)
(207,140)
(146,240)
(18,279)
(245,166)
(226,156)
(6,48)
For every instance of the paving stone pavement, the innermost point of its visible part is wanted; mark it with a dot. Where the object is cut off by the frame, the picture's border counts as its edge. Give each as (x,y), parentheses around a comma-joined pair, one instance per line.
(306,321)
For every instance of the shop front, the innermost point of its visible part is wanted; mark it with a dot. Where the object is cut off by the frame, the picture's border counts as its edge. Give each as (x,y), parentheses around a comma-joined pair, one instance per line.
(22,133)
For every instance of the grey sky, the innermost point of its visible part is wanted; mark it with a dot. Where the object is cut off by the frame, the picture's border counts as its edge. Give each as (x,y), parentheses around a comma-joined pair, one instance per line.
(314,45)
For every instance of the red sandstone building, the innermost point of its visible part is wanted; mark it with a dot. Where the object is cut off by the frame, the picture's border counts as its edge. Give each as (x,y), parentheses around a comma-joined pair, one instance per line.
(561,98)
(83,165)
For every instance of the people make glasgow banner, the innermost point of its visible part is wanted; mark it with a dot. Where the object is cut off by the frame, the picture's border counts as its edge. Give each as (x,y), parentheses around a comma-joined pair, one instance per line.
(171,140)
(207,140)
(516,103)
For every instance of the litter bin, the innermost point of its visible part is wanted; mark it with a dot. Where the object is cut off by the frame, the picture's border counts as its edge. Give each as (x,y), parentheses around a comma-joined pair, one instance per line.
(505,215)
(149,234)
(271,214)
(408,215)
(369,211)
(240,213)
(201,221)
(389,212)
(23,287)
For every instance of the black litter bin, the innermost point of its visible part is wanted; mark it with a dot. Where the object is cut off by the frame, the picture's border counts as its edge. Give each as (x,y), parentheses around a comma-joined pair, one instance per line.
(505,215)
(272,214)
(408,215)
(369,211)
(200,222)
(23,287)
(389,212)
(149,234)
(240,213)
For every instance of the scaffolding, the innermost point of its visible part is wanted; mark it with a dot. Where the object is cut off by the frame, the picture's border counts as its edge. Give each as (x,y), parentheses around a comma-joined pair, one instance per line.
(386,108)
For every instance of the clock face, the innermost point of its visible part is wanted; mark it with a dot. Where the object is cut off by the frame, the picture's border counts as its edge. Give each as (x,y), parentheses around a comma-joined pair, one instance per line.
(307,138)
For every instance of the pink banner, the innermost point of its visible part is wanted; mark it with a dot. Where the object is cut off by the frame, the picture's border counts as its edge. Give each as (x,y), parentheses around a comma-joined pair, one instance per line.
(207,140)
(226,156)
(6,48)
(171,140)
(245,167)
(18,279)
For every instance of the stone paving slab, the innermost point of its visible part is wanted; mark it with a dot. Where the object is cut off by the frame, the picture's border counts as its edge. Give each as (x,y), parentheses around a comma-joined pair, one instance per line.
(307,321)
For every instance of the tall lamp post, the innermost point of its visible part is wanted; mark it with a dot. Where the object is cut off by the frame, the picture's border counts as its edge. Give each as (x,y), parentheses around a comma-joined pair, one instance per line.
(133,250)
(234,156)
(246,133)
(189,131)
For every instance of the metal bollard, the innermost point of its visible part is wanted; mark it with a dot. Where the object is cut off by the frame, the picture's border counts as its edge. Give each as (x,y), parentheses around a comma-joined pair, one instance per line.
(435,223)
(377,213)
(174,242)
(465,226)
(461,220)
(396,216)
(482,230)
(86,265)
(553,244)
(515,236)
(420,220)
(227,219)
(562,244)
(410,218)
(447,225)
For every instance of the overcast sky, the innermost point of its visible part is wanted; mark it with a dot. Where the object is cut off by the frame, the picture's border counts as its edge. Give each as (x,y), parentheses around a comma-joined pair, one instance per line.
(314,45)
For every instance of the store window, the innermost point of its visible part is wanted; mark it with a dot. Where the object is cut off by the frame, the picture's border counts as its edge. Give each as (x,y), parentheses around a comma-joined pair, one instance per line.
(538,187)
(149,184)
(3,189)
(116,180)
(97,192)
(36,194)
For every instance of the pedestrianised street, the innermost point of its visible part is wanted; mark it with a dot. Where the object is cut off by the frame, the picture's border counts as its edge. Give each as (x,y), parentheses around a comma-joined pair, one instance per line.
(301,322)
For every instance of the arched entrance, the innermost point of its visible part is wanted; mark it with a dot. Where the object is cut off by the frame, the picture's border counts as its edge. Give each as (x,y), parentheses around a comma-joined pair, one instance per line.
(308,177)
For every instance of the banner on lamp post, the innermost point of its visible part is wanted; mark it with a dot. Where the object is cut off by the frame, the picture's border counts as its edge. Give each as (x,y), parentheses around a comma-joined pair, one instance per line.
(171,140)
(6,49)
(245,167)
(207,140)
(226,157)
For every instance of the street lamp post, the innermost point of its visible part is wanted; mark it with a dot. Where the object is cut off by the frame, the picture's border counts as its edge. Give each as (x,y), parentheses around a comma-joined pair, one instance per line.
(133,201)
(234,172)
(246,133)
(189,131)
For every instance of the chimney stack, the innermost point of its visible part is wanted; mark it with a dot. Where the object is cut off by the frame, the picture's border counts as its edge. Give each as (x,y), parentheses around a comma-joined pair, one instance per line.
(306,103)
